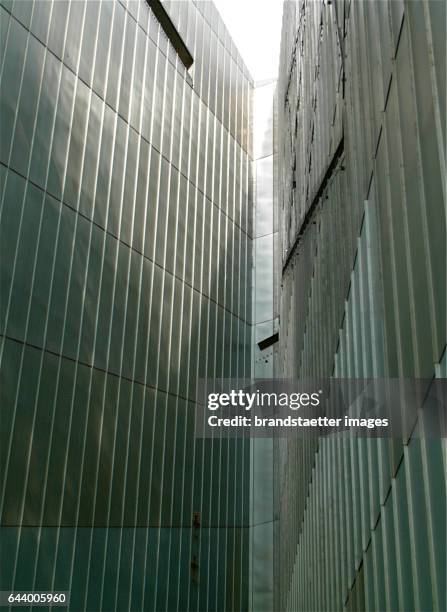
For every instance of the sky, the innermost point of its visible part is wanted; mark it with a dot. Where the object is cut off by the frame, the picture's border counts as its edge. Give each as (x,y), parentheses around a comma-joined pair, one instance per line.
(255,27)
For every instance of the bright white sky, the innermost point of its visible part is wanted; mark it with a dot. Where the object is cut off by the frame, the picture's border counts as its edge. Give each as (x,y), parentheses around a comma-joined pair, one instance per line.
(255,27)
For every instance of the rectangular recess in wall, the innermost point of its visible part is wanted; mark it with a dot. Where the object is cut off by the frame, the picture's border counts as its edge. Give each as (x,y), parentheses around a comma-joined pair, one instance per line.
(171,32)
(268,341)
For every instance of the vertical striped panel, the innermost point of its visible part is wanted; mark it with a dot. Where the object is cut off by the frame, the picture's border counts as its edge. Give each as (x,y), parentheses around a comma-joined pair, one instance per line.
(363,289)
(125,223)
